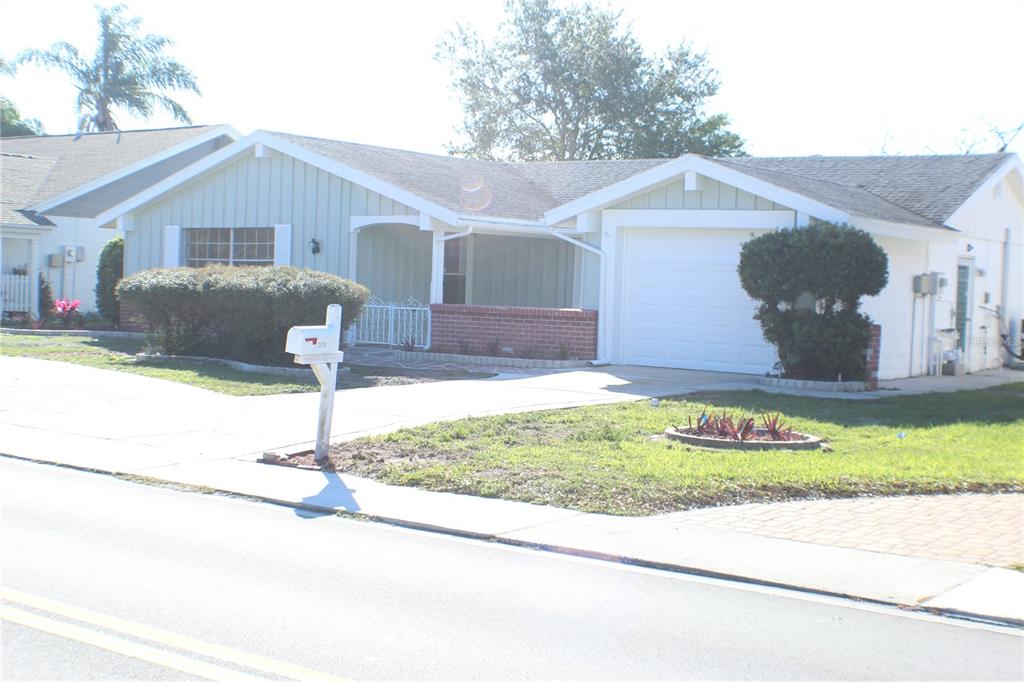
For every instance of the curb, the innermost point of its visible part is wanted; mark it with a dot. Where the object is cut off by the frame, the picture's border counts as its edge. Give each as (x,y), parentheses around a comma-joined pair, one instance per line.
(555,549)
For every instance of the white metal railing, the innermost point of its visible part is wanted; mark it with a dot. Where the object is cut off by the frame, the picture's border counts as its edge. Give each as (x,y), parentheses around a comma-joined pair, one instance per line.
(394,324)
(15,293)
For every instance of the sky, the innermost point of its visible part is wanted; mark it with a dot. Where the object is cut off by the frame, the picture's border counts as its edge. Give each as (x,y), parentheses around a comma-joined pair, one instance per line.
(798,78)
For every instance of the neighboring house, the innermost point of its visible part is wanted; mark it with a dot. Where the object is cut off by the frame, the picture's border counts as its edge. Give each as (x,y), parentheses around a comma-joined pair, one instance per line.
(53,187)
(628,262)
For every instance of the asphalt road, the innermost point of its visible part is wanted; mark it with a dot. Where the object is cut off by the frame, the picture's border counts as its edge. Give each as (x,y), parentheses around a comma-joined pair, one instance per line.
(104,579)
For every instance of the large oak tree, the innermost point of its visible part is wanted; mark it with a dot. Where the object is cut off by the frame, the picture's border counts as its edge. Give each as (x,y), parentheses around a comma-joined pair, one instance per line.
(571,82)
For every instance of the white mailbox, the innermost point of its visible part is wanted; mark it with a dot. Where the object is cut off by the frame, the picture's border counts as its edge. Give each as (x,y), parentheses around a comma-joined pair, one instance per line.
(315,343)
(319,346)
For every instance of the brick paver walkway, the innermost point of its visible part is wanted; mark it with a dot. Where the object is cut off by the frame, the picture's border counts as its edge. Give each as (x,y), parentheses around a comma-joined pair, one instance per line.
(979,529)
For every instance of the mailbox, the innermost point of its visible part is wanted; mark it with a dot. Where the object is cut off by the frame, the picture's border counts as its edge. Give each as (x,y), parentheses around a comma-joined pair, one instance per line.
(319,346)
(316,343)
(313,340)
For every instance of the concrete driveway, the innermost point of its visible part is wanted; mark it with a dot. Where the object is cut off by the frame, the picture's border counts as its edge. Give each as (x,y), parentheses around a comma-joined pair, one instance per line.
(166,422)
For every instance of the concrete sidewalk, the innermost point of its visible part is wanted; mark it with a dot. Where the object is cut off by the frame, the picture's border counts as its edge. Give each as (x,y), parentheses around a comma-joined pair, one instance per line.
(126,424)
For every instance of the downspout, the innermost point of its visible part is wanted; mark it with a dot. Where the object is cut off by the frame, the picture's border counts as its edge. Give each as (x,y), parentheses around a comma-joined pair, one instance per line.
(600,361)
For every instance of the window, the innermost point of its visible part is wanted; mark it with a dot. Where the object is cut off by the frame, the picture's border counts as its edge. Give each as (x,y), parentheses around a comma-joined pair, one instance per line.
(454,271)
(229,246)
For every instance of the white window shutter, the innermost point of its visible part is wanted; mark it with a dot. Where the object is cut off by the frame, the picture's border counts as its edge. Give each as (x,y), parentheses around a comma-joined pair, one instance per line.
(172,246)
(282,244)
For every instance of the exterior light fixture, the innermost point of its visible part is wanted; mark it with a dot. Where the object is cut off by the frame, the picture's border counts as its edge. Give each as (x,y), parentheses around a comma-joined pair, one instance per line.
(314,246)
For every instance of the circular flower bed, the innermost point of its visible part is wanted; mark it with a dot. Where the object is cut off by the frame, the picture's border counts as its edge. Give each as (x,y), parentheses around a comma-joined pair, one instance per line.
(722,431)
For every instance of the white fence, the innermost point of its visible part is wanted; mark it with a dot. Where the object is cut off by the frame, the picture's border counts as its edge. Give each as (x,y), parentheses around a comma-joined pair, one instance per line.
(15,293)
(394,324)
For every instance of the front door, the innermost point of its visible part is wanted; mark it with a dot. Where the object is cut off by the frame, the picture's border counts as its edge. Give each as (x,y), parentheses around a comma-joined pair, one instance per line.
(963,306)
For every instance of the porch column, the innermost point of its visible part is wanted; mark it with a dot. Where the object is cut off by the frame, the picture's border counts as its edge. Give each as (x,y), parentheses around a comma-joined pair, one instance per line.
(33,277)
(437,268)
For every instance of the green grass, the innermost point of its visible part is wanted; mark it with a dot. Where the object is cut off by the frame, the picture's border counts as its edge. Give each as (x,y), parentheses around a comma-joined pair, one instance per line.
(119,354)
(612,459)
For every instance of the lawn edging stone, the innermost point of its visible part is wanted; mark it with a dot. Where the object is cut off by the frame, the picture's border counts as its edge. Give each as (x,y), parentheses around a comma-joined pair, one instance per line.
(808,443)
(91,333)
(809,385)
(237,365)
(498,361)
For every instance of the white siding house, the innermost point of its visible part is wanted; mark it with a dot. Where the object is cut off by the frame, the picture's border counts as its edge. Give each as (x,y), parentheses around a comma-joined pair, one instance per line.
(651,245)
(55,186)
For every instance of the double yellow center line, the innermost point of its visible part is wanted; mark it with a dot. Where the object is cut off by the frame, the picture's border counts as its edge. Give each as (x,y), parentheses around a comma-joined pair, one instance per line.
(139,631)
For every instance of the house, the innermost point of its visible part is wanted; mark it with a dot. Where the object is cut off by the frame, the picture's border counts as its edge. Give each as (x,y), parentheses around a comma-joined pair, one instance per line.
(52,187)
(629,262)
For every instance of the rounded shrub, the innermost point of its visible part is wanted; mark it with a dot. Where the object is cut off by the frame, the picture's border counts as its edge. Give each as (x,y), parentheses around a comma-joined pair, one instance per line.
(108,273)
(809,282)
(241,313)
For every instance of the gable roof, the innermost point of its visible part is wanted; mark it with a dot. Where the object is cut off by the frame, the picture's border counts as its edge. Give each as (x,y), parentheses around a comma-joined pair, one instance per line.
(921,190)
(473,187)
(21,175)
(897,188)
(79,161)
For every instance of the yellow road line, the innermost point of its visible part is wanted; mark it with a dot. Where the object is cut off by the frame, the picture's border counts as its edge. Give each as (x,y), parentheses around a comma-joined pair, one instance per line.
(124,647)
(167,638)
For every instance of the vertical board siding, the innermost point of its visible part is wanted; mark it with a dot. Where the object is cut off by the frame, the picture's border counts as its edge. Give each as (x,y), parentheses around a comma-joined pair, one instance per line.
(522,272)
(714,196)
(394,262)
(251,192)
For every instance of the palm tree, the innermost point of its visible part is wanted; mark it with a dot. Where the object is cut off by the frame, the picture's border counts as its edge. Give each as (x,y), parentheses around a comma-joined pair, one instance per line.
(129,71)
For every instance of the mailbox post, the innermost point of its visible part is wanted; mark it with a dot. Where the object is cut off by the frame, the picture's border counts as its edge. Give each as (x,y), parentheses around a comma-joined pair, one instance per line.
(319,347)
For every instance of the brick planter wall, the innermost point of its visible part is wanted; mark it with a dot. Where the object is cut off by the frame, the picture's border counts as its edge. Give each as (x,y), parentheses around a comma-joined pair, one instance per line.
(874,353)
(131,321)
(540,332)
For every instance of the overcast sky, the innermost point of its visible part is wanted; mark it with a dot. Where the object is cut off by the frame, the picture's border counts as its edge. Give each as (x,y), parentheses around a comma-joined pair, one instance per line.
(797,77)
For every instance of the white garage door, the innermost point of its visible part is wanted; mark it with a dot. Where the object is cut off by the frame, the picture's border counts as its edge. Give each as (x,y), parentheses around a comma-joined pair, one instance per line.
(683,304)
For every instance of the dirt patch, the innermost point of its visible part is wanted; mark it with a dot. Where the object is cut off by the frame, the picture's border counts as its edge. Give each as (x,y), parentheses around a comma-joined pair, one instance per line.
(367,458)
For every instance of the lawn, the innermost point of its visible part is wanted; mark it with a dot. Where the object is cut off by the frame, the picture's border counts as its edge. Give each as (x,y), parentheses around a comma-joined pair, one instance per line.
(121,354)
(613,459)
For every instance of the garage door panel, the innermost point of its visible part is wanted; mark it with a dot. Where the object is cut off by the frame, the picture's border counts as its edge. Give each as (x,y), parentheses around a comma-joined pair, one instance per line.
(683,304)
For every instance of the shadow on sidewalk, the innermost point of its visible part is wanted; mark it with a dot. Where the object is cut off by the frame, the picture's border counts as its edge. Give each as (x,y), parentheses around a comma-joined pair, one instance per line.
(335,494)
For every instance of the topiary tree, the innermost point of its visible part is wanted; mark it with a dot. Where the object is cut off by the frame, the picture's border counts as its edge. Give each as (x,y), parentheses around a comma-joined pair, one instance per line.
(108,273)
(809,282)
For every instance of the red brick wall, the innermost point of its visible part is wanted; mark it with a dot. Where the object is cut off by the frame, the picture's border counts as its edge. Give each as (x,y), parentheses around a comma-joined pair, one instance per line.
(131,321)
(540,332)
(874,352)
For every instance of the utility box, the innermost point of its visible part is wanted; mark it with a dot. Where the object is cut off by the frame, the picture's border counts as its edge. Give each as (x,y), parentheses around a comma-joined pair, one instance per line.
(55,260)
(926,284)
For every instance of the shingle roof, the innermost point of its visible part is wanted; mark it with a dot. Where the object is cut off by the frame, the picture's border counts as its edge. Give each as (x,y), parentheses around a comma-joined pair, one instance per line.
(473,187)
(20,175)
(923,190)
(80,159)
(898,188)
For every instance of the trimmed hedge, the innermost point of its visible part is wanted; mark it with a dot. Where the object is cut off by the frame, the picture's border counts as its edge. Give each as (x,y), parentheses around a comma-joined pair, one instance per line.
(108,273)
(810,282)
(242,313)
